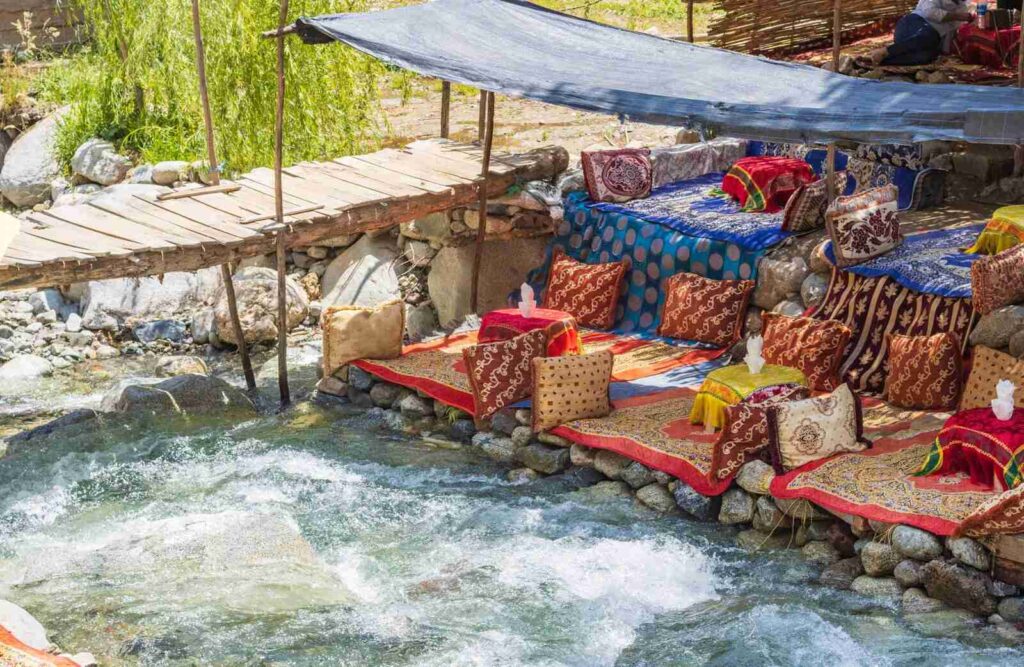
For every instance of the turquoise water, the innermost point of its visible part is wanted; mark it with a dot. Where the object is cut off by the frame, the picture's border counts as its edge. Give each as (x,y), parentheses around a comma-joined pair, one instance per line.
(317,538)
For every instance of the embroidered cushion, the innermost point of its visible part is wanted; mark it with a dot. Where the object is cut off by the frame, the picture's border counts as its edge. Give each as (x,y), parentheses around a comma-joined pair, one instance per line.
(1001,515)
(998,280)
(568,388)
(353,332)
(499,373)
(805,210)
(705,310)
(588,292)
(800,432)
(745,433)
(925,372)
(814,347)
(988,368)
(864,225)
(617,175)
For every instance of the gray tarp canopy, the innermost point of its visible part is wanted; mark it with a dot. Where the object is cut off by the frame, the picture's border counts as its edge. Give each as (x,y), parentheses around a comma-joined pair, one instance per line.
(517,48)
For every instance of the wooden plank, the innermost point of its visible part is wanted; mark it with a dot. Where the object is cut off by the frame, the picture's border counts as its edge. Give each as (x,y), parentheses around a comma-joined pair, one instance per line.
(230,205)
(364,189)
(261,202)
(189,193)
(217,224)
(85,240)
(160,217)
(43,248)
(311,192)
(9,228)
(444,163)
(159,222)
(350,168)
(406,167)
(291,200)
(460,162)
(109,225)
(505,163)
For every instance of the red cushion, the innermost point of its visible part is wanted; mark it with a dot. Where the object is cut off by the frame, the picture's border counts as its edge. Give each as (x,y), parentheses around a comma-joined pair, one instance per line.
(815,347)
(766,183)
(705,310)
(500,373)
(588,292)
(925,372)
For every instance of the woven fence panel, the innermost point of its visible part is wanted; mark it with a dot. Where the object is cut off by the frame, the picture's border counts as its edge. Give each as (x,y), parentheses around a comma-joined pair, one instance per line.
(784,26)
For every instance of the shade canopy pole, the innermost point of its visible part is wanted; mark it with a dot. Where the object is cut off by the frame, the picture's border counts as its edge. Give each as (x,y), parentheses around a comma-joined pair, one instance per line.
(211,154)
(446,108)
(689,21)
(282,293)
(481,228)
(830,173)
(837,32)
(481,128)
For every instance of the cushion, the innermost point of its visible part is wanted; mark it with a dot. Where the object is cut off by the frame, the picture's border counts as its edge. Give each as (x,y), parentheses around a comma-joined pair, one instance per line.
(705,310)
(988,368)
(1001,515)
(572,387)
(354,332)
(864,225)
(617,175)
(499,373)
(814,347)
(996,280)
(805,210)
(588,292)
(925,372)
(766,183)
(800,432)
(745,433)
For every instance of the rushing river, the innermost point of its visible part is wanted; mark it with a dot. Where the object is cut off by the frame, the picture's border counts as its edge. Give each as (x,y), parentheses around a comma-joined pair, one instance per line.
(317,538)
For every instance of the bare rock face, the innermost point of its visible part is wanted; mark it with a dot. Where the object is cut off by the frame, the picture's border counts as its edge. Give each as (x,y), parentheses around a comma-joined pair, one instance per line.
(365,274)
(256,293)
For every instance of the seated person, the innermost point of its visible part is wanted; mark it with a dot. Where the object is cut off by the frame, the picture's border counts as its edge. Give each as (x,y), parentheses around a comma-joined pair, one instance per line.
(923,34)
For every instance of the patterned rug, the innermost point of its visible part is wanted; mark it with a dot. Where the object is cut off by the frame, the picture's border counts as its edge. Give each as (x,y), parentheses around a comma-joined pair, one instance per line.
(879,484)
(14,653)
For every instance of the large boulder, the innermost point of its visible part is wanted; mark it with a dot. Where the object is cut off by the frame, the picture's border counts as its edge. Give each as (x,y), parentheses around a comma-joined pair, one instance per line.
(503,267)
(778,280)
(256,295)
(170,171)
(193,394)
(23,626)
(98,161)
(109,304)
(997,328)
(25,367)
(31,163)
(959,586)
(365,274)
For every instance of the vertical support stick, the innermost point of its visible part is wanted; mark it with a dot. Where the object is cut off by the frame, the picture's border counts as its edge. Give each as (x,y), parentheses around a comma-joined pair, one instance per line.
(481,229)
(446,108)
(482,121)
(837,32)
(211,153)
(282,293)
(830,173)
(689,21)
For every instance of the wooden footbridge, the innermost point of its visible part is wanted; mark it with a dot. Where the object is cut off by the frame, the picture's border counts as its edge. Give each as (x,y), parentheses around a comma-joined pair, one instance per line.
(127,234)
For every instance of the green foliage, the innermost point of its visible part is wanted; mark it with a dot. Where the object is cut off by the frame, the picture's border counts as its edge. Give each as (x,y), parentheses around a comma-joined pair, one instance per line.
(135,83)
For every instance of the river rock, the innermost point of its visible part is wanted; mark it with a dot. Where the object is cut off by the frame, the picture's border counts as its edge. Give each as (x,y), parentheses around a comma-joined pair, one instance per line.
(148,332)
(821,554)
(31,163)
(170,172)
(25,367)
(23,626)
(879,559)
(909,573)
(544,458)
(637,475)
(959,586)
(184,365)
(778,279)
(365,274)
(802,510)
(522,475)
(582,456)
(256,294)
(109,304)
(753,540)
(504,421)
(877,587)
(768,518)
(522,435)
(420,321)
(70,419)
(657,497)
(360,379)
(970,552)
(696,505)
(842,574)
(98,161)
(415,407)
(812,290)
(49,301)
(755,476)
(916,543)
(462,430)
(815,531)
(607,490)
(500,449)
(192,394)
(611,464)
(916,601)
(433,228)
(384,394)
(997,328)
(737,507)
(1012,609)
(203,324)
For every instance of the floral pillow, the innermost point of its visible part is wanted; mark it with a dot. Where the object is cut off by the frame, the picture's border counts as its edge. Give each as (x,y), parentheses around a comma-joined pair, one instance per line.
(570,387)
(805,210)
(814,347)
(705,310)
(864,225)
(800,432)
(925,372)
(588,292)
(618,175)
(998,280)
(500,374)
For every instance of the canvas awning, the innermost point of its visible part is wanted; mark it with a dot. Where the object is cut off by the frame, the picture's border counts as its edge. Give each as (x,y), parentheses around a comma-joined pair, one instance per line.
(516,48)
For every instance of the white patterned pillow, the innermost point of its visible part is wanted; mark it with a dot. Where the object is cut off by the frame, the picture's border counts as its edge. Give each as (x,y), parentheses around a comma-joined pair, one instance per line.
(864,225)
(800,432)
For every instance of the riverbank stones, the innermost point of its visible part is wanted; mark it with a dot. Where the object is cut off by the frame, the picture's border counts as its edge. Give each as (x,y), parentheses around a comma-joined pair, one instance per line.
(637,475)
(657,497)
(610,464)
(915,543)
(737,507)
(877,587)
(959,586)
(842,574)
(755,477)
(543,458)
(916,601)
(970,552)
(879,559)
(909,573)
(696,505)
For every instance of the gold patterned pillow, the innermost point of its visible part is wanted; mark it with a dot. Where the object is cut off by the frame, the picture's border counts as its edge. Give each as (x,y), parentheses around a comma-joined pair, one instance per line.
(987,369)
(800,432)
(570,387)
(354,332)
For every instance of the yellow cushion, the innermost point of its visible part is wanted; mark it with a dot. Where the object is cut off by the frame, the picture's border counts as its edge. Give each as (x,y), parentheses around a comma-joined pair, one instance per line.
(1004,231)
(354,332)
(570,387)
(987,369)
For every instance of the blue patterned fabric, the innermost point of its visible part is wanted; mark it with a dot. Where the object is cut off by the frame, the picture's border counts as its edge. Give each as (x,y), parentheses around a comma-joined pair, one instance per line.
(929,262)
(593,234)
(688,208)
(911,157)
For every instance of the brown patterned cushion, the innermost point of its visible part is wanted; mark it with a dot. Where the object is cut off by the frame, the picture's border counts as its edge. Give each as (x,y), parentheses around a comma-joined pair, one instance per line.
(925,372)
(354,332)
(588,292)
(988,368)
(705,310)
(499,373)
(617,175)
(745,434)
(998,280)
(815,347)
(570,387)
(800,432)
(864,225)
(1001,515)
(805,210)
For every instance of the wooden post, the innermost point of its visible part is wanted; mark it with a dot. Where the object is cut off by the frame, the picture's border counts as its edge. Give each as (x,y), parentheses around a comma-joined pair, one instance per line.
(481,229)
(211,153)
(446,108)
(282,293)
(482,120)
(830,173)
(837,33)
(689,21)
